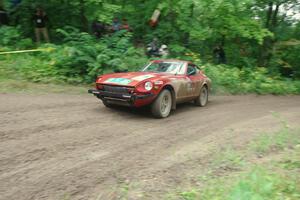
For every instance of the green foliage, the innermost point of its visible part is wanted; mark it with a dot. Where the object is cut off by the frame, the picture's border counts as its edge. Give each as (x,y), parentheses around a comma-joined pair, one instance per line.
(31,68)
(13,78)
(262,185)
(81,58)
(228,158)
(275,179)
(190,195)
(266,143)
(12,38)
(84,56)
(292,162)
(257,184)
(185,26)
(241,26)
(245,80)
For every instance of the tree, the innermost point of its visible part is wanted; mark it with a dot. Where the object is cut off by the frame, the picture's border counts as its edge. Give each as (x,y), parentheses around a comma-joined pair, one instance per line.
(276,13)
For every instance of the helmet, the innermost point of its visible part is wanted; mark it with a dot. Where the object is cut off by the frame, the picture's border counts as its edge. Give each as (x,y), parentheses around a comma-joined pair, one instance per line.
(164,46)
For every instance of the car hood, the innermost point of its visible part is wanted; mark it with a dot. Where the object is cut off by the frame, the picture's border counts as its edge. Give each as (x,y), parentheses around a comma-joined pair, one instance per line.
(131,79)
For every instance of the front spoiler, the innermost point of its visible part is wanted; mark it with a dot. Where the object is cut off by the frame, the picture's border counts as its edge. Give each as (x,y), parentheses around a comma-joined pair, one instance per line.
(126,99)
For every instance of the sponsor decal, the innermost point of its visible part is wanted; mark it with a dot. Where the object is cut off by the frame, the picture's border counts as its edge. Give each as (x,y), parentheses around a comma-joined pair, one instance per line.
(121,81)
(143,77)
(158,82)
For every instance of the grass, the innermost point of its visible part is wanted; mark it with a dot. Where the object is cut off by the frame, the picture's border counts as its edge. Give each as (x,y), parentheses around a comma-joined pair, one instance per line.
(12,81)
(273,175)
(262,184)
(21,86)
(228,158)
(279,140)
(190,195)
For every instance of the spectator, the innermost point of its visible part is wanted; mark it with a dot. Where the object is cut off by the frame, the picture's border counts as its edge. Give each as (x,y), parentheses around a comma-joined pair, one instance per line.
(98,28)
(219,55)
(153,48)
(3,16)
(40,20)
(116,25)
(164,51)
(125,25)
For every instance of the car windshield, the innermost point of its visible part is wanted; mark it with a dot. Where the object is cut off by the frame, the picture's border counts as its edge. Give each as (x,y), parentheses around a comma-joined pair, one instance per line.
(165,66)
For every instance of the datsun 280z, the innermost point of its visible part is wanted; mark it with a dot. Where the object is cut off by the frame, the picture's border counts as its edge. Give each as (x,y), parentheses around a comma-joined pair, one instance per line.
(162,84)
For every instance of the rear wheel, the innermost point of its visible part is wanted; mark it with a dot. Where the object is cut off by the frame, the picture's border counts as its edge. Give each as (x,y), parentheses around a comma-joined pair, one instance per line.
(202,99)
(162,105)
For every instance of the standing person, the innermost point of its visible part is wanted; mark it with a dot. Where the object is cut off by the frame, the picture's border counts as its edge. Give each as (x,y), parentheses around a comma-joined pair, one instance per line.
(98,28)
(153,48)
(3,17)
(219,55)
(125,25)
(116,25)
(164,51)
(40,20)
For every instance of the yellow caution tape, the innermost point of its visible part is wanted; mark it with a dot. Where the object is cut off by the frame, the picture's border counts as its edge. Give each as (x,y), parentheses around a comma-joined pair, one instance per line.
(27,51)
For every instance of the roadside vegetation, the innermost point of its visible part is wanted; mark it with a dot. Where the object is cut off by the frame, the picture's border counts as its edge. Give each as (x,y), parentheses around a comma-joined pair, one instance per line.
(14,81)
(268,168)
(80,59)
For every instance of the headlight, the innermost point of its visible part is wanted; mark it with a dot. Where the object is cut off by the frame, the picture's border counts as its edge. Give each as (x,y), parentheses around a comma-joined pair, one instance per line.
(148,86)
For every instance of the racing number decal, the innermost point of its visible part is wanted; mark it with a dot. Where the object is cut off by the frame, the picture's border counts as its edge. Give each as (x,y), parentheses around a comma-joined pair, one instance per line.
(122,81)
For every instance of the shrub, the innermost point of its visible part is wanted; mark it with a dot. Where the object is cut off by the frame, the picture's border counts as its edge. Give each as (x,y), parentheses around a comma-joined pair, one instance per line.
(11,39)
(254,80)
(84,56)
(81,58)
(259,184)
(266,143)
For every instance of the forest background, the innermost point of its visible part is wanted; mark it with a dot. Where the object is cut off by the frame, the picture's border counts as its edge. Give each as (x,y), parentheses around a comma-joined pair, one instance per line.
(261,40)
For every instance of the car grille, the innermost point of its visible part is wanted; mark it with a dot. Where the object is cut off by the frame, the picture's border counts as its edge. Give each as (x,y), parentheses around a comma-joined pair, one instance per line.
(117,89)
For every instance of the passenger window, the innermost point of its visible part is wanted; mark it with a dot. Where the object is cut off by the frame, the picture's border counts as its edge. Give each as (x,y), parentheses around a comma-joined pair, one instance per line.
(191,70)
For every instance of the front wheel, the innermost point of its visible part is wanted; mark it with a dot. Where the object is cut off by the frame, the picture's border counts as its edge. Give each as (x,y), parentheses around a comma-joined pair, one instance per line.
(202,99)
(162,105)
(106,104)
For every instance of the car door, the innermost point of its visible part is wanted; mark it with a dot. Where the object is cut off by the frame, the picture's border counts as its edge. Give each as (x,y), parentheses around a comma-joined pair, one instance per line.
(182,84)
(195,80)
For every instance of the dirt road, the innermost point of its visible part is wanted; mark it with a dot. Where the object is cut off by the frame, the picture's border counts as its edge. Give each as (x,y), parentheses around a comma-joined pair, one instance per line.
(72,147)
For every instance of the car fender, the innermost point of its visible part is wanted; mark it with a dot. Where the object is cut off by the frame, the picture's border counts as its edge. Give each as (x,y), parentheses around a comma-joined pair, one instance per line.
(207,82)
(173,93)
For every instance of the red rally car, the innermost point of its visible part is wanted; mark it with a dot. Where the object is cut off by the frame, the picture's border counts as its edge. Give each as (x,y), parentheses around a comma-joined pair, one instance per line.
(161,84)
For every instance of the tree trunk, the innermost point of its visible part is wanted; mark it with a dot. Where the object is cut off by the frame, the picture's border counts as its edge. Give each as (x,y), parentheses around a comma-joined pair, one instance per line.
(84,21)
(172,19)
(186,36)
(274,18)
(266,49)
(269,14)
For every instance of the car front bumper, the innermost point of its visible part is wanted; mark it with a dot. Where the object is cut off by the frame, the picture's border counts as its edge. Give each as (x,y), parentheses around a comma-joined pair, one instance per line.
(121,99)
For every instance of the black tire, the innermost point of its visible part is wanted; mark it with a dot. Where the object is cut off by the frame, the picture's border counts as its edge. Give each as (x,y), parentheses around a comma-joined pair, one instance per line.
(108,105)
(202,99)
(162,105)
